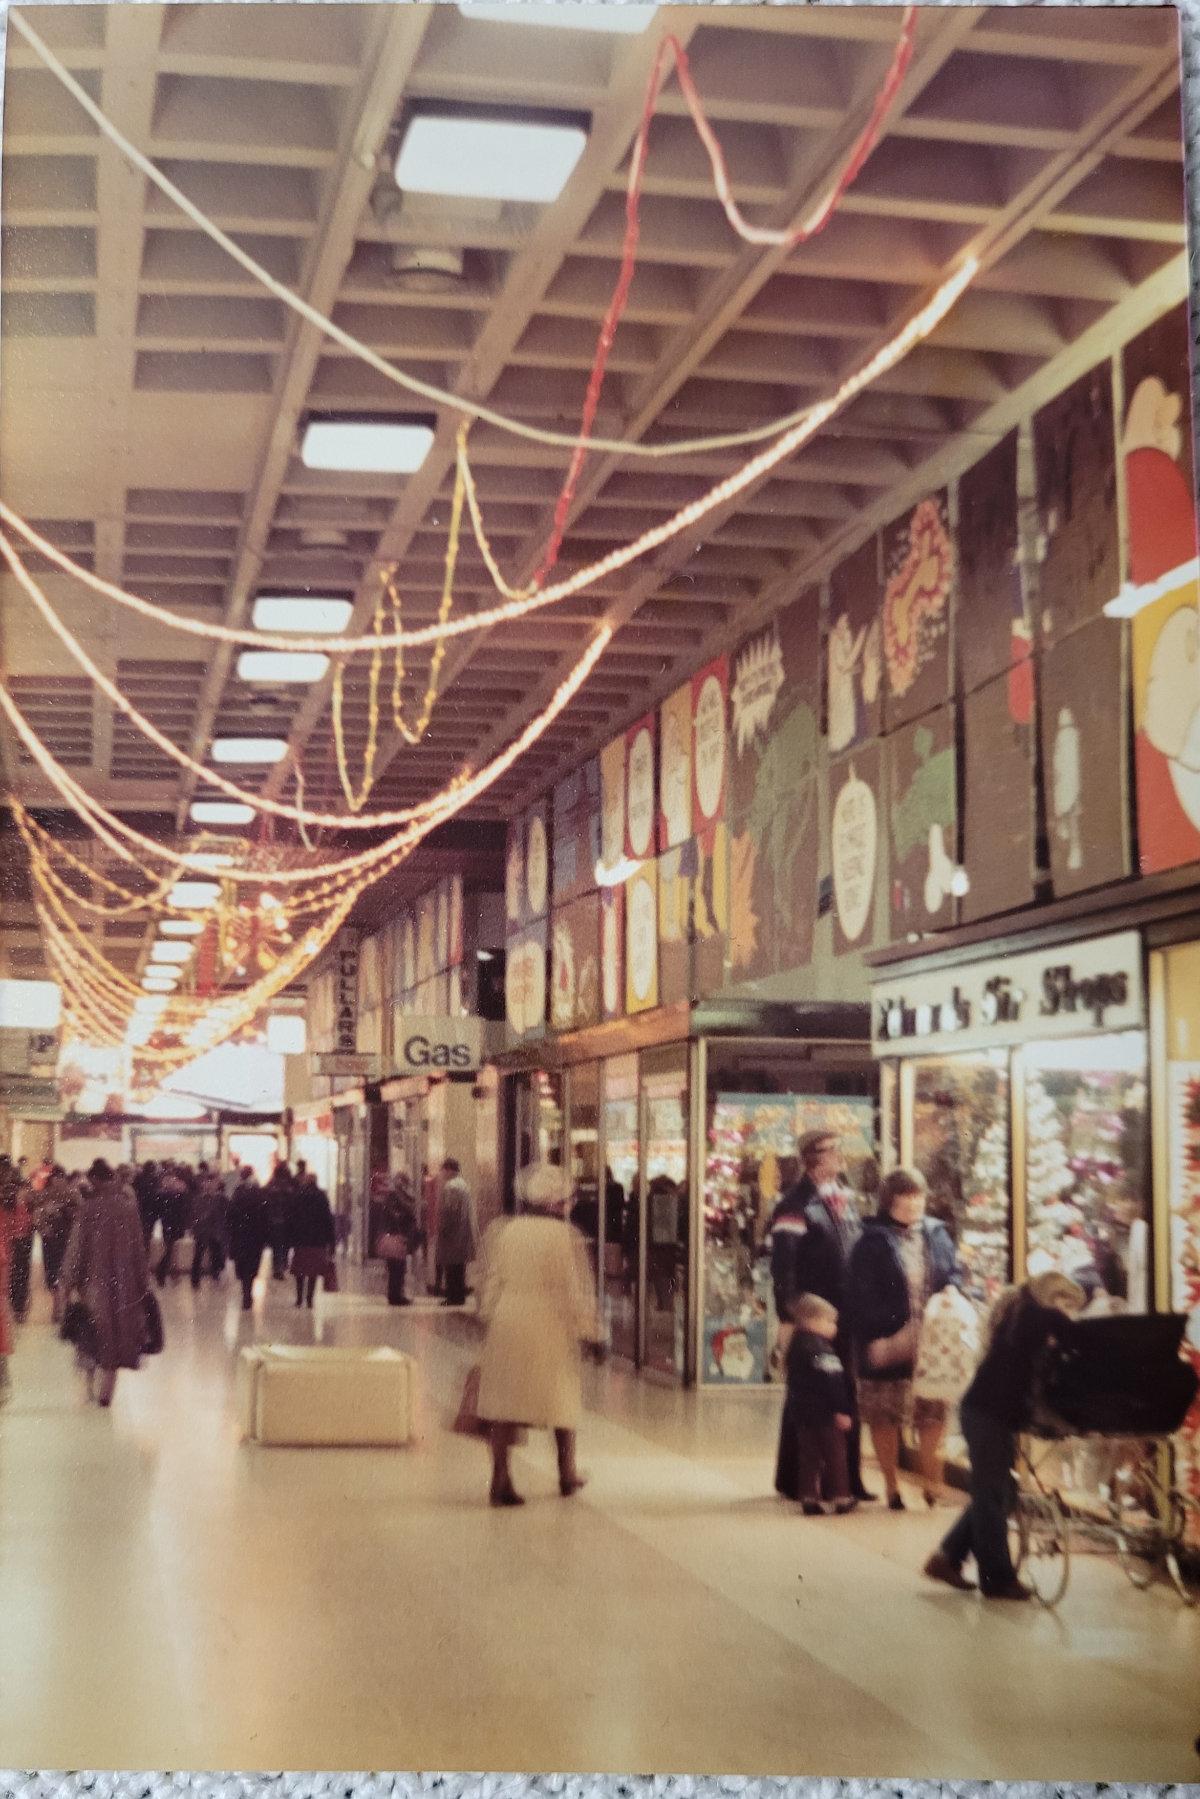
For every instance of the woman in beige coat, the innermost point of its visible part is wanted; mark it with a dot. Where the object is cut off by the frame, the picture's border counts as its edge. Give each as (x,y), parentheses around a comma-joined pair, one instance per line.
(538,1305)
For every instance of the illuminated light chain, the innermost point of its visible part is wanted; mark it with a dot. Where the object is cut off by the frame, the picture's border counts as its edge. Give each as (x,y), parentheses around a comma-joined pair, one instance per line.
(37,837)
(457,794)
(414,733)
(438,396)
(524,602)
(357,800)
(224,1018)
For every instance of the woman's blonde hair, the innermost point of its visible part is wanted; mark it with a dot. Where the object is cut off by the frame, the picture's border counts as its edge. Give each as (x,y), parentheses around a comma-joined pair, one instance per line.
(1052,1289)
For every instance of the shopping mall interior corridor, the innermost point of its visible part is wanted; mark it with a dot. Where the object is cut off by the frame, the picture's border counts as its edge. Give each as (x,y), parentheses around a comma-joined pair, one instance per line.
(173,1597)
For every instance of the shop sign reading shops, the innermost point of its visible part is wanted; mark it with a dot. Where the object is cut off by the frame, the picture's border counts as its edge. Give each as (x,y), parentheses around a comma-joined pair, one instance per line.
(1071,991)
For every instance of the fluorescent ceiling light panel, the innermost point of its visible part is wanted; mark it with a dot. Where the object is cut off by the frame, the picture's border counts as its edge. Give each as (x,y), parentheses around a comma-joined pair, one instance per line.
(30,1005)
(209,859)
(149,1005)
(567,16)
(179,927)
(487,159)
(248,749)
(281,666)
(366,446)
(171,952)
(221,812)
(192,896)
(310,617)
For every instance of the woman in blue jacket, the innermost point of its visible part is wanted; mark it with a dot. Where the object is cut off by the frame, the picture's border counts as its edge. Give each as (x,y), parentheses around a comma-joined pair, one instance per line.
(899,1262)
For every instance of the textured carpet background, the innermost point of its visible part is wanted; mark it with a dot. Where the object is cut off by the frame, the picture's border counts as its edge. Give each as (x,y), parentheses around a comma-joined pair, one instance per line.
(18,1784)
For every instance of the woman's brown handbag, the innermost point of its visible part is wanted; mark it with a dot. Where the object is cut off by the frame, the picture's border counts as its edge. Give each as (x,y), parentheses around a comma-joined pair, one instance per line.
(893,1351)
(391,1246)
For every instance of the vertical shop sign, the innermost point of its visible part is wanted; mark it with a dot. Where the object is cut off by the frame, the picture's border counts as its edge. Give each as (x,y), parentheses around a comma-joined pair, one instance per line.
(922,819)
(675,728)
(918,569)
(640,790)
(854,847)
(345,974)
(854,653)
(1076,460)
(1158,466)
(774,744)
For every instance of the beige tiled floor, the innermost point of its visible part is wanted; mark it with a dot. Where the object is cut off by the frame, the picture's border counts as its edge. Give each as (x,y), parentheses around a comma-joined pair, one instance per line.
(170,1597)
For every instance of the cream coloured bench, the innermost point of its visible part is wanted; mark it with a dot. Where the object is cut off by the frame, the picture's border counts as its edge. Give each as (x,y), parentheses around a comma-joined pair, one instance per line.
(294,1395)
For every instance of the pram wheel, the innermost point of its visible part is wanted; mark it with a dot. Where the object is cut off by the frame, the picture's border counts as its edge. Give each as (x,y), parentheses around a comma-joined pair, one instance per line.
(1041,1547)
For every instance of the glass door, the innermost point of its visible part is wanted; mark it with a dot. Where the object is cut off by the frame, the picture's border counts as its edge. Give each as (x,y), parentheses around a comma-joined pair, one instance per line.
(583,1158)
(955,1131)
(666,1227)
(621,1211)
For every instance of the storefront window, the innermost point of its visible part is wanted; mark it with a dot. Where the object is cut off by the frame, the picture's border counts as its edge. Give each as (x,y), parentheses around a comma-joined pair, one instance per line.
(960,1143)
(750,1164)
(1087,1198)
(620,1205)
(665,1113)
(583,1158)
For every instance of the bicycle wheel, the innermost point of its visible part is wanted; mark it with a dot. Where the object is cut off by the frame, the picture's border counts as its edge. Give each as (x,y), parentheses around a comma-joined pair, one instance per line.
(1182,1561)
(1043,1546)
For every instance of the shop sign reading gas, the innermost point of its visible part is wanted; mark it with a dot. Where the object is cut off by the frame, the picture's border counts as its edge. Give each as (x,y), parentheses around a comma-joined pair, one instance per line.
(439,1045)
(1070,991)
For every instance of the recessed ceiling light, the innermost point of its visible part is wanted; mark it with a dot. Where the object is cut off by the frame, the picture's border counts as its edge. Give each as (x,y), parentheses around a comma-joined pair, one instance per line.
(193,896)
(150,1004)
(160,981)
(179,927)
(248,749)
(171,952)
(208,859)
(313,617)
(281,665)
(366,446)
(630,19)
(488,159)
(30,1005)
(221,812)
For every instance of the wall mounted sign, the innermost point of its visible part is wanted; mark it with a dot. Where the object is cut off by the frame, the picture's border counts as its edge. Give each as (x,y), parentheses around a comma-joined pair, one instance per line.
(640,790)
(1075,452)
(1070,991)
(345,979)
(525,982)
(612,952)
(575,965)
(710,689)
(854,847)
(514,873)
(641,939)
(854,652)
(1081,715)
(612,804)
(919,571)
(675,785)
(432,1045)
(922,819)
(774,748)
(992,630)
(537,862)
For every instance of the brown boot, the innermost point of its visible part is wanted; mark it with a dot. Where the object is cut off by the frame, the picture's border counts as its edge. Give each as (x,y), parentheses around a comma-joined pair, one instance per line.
(940,1567)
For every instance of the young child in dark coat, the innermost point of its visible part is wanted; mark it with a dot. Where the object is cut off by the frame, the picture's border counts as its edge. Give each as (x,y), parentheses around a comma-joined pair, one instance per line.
(817,1413)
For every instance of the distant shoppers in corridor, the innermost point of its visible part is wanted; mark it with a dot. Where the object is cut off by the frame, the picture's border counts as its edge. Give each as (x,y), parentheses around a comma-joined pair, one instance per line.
(813,1231)
(899,1262)
(997,1405)
(457,1233)
(538,1305)
(399,1234)
(249,1232)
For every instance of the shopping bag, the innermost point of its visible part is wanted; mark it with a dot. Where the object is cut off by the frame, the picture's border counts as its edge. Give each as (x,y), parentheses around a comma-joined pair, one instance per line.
(329,1276)
(948,1348)
(391,1246)
(468,1423)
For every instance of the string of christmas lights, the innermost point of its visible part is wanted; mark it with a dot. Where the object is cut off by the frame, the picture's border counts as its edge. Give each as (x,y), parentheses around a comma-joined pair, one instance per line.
(474,409)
